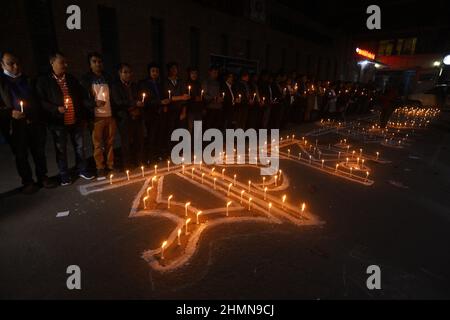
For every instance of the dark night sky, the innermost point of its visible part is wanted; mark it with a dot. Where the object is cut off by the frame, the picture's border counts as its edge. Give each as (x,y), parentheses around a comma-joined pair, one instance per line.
(396,14)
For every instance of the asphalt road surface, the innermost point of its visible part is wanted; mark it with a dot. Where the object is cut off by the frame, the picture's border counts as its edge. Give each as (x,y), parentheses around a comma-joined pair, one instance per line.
(401,224)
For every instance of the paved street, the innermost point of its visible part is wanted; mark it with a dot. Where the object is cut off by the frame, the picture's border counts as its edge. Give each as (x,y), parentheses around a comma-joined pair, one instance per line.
(400,223)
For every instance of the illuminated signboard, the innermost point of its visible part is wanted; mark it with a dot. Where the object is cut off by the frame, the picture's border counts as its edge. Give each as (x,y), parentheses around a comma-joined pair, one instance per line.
(365,53)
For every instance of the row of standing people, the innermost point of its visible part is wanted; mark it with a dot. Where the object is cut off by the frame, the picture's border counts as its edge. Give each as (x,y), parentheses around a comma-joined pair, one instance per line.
(144,113)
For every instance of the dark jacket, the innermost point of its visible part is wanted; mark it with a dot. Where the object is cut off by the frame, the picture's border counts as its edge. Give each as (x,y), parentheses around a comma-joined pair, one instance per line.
(51,98)
(154,95)
(88,98)
(123,102)
(10,94)
(195,106)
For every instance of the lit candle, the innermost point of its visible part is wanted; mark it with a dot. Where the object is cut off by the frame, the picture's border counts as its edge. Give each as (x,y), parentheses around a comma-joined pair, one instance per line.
(203,177)
(183,168)
(143,172)
(66,105)
(228,207)
(128,175)
(276,181)
(265,193)
(303,207)
(21,106)
(179,237)
(189,88)
(299,156)
(156,169)
(346,161)
(145,202)
(235,179)
(229,189)
(378,155)
(202,94)
(284,200)
(351,171)
(249,186)
(186,206)
(323,162)
(242,195)
(143,97)
(367,175)
(170,95)
(289,153)
(168,201)
(168,166)
(270,206)
(250,204)
(198,215)
(163,246)
(187,224)
(337,167)
(310,159)
(111,179)
(264,182)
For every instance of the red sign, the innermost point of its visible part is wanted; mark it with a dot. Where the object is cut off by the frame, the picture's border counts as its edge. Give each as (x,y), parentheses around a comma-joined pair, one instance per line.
(365,53)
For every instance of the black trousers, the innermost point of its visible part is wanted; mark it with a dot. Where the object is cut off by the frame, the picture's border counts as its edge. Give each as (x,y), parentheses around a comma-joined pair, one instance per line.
(29,138)
(132,141)
(5,125)
(155,131)
(214,119)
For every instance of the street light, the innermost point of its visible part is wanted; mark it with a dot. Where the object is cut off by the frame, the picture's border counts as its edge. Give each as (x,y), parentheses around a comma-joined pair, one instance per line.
(447,60)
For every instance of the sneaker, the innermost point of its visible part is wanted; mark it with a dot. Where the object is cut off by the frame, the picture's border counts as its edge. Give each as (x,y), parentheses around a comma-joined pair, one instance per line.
(29,189)
(47,183)
(87,176)
(65,181)
(101,174)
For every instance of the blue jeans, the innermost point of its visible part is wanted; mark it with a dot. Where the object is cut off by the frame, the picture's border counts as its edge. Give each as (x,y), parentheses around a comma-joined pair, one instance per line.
(76,135)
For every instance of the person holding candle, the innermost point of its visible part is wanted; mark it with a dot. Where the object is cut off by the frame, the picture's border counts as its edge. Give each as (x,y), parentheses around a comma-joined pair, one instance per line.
(213,97)
(229,103)
(28,132)
(195,106)
(178,96)
(243,103)
(61,97)
(97,87)
(155,112)
(127,102)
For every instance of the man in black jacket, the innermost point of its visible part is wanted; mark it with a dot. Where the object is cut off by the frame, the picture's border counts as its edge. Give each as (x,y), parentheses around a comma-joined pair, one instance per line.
(128,107)
(27,130)
(155,112)
(61,98)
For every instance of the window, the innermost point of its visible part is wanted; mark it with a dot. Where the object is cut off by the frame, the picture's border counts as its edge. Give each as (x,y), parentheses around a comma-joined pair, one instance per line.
(108,36)
(224,44)
(386,47)
(157,40)
(195,47)
(42,31)
(409,46)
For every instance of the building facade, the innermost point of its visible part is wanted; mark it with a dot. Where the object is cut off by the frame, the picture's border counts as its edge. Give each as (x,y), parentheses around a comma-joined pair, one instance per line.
(262,33)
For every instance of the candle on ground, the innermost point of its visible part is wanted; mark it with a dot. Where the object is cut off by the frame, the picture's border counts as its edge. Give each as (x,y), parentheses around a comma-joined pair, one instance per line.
(186,206)
(128,175)
(187,224)
(143,172)
(198,215)
(265,193)
(179,237)
(168,201)
(228,207)
(111,179)
(163,246)
(242,195)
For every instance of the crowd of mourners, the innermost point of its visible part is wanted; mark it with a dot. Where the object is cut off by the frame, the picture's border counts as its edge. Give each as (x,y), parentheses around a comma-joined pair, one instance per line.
(145,113)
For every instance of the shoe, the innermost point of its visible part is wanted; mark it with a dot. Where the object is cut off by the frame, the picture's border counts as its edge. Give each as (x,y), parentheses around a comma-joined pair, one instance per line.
(101,174)
(29,189)
(87,176)
(47,183)
(65,181)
